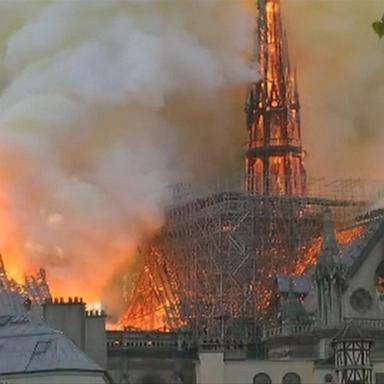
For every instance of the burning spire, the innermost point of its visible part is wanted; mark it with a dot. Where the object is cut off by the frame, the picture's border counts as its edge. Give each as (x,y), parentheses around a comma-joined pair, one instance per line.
(274,158)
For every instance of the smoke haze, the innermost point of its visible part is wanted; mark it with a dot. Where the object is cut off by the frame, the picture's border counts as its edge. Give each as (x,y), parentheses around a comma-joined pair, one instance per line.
(341,79)
(104,104)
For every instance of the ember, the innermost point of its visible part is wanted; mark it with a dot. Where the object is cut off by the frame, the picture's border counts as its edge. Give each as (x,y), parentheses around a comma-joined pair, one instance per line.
(309,257)
(34,287)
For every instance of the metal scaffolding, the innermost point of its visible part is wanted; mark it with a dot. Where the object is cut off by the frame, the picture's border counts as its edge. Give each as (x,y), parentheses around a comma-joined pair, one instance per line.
(211,266)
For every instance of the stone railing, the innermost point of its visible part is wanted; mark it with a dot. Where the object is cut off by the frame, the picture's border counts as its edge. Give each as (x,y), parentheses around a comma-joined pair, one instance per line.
(136,340)
(373,324)
(298,329)
(287,330)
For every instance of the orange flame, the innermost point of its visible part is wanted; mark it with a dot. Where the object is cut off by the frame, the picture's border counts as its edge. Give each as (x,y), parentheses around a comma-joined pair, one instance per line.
(309,258)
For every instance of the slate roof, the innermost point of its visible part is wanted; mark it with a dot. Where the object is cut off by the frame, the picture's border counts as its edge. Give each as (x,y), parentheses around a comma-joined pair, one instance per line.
(301,284)
(355,253)
(352,255)
(351,332)
(26,347)
(11,303)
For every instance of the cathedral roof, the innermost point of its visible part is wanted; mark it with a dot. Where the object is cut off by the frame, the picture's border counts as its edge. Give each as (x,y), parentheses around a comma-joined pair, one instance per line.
(354,254)
(301,284)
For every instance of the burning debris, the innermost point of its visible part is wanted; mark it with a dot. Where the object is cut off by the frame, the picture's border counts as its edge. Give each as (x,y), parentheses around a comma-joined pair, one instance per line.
(154,298)
(35,288)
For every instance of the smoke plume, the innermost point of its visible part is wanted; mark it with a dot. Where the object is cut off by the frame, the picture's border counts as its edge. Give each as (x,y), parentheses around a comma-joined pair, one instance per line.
(103,105)
(341,79)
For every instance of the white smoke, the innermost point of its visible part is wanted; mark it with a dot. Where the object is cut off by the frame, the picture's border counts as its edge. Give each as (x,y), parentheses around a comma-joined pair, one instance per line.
(104,104)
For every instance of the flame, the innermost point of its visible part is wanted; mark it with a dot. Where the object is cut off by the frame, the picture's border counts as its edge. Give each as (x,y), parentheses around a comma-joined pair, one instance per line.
(155,303)
(309,258)
(273,140)
(15,274)
(304,260)
(10,243)
(65,277)
(155,306)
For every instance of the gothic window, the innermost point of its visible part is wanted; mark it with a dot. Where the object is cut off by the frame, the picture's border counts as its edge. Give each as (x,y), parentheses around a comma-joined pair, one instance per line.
(259,136)
(296,174)
(361,300)
(379,278)
(277,174)
(262,378)
(291,378)
(251,104)
(259,176)
(250,176)
(293,132)
(275,130)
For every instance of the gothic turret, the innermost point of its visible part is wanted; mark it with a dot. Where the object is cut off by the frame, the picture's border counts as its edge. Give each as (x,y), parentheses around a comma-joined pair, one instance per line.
(274,157)
(330,276)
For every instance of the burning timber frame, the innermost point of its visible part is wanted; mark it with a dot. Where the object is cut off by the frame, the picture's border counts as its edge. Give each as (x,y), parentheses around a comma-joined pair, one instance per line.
(210,267)
(35,287)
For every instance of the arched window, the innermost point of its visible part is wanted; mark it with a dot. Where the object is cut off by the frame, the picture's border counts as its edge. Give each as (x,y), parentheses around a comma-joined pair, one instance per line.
(259,134)
(262,378)
(291,378)
(258,176)
(275,130)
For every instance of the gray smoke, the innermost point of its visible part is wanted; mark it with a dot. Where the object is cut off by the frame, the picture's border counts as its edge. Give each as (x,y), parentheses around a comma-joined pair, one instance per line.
(104,104)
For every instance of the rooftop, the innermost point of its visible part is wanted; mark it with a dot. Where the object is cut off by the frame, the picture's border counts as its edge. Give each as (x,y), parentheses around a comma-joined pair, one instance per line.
(27,347)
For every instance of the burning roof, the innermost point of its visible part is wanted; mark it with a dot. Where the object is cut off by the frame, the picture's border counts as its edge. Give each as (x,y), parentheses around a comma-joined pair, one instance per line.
(35,287)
